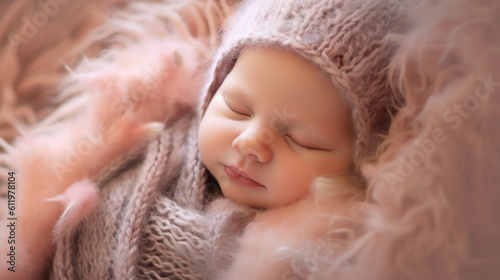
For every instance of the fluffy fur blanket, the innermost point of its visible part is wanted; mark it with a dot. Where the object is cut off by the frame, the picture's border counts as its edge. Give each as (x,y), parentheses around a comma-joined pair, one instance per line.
(103,107)
(38,39)
(432,205)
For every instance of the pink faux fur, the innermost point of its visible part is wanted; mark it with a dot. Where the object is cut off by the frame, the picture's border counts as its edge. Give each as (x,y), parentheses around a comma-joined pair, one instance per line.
(123,108)
(34,52)
(110,105)
(78,200)
(434,183)
(130,96)
(289,242)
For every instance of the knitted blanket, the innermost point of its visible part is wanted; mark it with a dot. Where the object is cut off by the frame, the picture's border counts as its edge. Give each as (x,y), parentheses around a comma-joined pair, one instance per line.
(431,207)
(115,102)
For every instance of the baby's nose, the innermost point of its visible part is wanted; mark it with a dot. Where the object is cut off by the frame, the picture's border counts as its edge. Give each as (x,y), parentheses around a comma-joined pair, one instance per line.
(254,144)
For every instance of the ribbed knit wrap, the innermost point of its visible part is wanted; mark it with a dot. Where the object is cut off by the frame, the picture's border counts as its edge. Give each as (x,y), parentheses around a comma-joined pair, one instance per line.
(151,221)
(149,224)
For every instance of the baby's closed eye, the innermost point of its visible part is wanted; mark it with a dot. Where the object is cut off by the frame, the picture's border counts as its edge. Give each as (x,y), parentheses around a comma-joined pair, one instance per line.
(308,146)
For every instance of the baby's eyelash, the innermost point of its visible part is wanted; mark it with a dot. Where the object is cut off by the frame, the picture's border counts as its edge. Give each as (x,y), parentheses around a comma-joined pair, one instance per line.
(236,111)
(300,145)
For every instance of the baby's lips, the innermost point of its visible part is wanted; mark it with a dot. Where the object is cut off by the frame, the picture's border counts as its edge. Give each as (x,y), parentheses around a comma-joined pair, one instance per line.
(241,177)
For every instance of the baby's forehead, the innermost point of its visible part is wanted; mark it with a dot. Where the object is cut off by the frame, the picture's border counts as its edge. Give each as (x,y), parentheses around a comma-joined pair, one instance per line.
(289,88)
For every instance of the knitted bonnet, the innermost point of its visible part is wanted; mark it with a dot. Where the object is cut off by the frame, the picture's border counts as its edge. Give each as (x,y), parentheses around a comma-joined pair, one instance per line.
(345,39)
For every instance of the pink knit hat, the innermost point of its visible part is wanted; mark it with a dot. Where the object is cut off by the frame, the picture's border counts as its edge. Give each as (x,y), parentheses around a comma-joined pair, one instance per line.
(345,39)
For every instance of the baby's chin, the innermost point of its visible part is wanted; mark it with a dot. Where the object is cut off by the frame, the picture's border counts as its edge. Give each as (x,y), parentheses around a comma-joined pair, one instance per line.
(245,201)
(262,202)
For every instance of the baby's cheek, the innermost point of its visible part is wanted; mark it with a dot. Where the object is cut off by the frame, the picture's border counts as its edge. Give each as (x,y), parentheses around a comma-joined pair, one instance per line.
(332,163)
(291,184)
(205,141)
(213,139)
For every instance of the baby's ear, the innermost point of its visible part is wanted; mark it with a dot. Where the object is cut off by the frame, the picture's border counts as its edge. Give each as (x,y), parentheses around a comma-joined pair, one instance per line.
(78,200)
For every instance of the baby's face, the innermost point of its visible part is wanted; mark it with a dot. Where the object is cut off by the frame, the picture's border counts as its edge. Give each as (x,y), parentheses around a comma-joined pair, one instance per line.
(275,124)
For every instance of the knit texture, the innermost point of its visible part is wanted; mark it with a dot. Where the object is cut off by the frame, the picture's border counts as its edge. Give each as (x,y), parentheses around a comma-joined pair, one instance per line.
(345,39)
(149,222)
(144,227)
